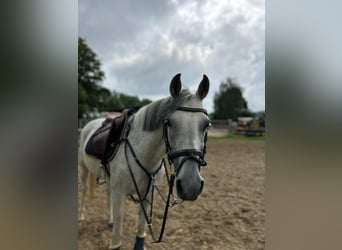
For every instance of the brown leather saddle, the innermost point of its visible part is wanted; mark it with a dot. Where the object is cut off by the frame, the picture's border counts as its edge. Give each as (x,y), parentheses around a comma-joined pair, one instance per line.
(105,141)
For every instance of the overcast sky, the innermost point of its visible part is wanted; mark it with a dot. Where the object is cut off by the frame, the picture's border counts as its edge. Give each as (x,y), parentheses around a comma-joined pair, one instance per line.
(143,44)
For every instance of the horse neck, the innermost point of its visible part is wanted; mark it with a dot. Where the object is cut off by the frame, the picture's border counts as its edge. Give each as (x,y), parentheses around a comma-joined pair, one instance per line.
(149,146)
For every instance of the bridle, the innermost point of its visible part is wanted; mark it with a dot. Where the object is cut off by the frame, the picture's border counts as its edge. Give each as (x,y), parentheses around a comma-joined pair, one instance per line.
(188,154)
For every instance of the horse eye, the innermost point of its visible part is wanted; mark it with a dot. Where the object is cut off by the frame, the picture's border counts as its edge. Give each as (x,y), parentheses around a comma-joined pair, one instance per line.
(207,126)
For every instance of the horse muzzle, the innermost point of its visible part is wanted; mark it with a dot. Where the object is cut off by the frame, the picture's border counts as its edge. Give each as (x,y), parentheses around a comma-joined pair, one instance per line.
(189,191)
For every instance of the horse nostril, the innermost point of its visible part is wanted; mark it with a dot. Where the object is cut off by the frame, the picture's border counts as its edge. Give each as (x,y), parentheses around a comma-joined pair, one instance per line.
(201,189)
(179,188)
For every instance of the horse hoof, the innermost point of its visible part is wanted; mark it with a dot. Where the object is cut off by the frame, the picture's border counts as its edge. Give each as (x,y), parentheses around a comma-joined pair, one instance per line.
(110,225)
(139,243)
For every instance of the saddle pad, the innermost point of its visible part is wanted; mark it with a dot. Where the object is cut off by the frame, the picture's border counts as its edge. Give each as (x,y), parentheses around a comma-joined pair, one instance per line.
(105,141)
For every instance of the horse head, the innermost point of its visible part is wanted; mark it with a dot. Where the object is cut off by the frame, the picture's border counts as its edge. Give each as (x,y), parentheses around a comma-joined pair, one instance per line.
(185,133)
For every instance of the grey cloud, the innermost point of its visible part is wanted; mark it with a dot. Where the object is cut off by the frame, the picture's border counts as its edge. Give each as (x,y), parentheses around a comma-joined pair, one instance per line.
(142,44)
(107,22)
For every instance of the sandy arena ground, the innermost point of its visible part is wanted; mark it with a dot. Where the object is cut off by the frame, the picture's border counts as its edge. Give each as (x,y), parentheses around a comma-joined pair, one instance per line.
(229,214)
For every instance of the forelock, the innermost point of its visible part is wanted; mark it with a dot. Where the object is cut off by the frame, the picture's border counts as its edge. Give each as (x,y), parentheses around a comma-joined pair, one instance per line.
(158,111)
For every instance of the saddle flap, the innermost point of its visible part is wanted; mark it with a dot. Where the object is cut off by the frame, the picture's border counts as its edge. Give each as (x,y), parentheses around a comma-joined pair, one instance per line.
(104,142)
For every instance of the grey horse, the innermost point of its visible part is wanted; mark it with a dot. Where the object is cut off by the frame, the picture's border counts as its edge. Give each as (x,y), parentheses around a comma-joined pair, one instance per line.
(185,130)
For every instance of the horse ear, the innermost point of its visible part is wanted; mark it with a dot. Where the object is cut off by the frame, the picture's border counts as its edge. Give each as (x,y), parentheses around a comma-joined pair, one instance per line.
(175,85)
(203,88)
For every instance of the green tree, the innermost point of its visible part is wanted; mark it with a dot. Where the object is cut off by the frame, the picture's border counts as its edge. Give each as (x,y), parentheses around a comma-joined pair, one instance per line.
(130,101)
(229,102)
(114,103)
(103,98)
(145,102)
(91,95)
(89,77)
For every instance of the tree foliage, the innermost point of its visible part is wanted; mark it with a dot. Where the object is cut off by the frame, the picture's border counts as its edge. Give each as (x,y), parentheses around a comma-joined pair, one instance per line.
(90,76)
(229,102)
(92,97)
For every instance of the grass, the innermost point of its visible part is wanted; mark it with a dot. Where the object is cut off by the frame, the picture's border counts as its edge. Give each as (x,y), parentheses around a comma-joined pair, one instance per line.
(237,137)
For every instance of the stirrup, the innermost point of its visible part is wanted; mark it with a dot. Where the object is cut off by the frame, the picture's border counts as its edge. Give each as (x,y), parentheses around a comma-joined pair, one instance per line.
(100,181)
(100,175)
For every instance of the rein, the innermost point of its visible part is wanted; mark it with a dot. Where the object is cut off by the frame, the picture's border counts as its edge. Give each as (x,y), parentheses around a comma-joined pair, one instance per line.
(188,154)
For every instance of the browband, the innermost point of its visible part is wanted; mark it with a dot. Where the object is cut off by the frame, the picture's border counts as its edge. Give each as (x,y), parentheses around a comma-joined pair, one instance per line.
(193,109)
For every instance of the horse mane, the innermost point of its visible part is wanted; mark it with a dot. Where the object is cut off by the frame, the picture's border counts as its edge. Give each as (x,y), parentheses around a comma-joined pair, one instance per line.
(153,115)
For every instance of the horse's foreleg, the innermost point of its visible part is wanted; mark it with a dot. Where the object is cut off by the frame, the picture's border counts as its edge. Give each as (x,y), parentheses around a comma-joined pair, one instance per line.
(117,201)
(84,180)
(109,206)
(139,242)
